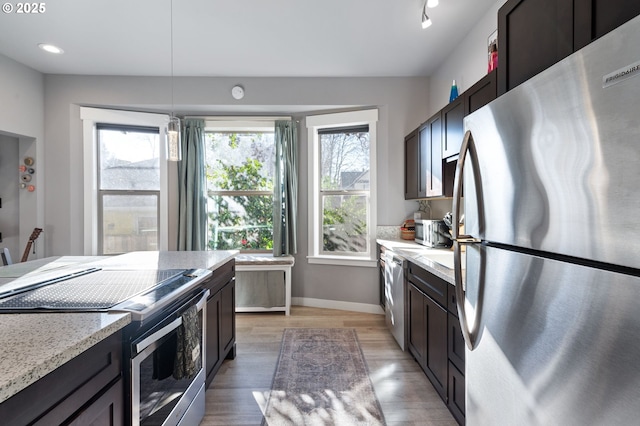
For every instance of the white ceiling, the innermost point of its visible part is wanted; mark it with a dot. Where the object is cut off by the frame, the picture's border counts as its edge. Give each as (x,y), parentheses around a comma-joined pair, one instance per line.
(239,38)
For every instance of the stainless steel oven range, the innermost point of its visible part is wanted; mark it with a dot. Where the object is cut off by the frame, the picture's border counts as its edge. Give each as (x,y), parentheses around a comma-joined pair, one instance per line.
(164,346)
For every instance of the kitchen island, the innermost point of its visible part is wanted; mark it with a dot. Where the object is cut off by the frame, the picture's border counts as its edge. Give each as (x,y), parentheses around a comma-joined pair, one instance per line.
(37,346)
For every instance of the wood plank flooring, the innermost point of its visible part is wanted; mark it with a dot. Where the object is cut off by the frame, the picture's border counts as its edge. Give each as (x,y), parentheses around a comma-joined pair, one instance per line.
(238,391)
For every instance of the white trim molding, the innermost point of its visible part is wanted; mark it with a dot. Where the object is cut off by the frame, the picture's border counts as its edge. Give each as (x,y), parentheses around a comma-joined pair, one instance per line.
(90,118)
(337,304)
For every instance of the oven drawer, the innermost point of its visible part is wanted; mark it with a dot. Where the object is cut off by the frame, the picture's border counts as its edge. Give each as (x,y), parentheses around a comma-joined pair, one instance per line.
(64,391)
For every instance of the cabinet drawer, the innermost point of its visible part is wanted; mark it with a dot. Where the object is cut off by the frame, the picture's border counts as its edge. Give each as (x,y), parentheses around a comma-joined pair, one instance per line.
(429,284)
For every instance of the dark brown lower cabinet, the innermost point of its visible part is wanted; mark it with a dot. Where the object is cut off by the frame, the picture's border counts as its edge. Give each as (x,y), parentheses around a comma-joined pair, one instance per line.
(456,353)
(428,337)
(434,336)
(455,396)
(106,410)
(221,318)
(86,390)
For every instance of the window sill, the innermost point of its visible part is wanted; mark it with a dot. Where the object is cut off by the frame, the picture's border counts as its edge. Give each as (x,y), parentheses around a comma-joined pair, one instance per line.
(343,261)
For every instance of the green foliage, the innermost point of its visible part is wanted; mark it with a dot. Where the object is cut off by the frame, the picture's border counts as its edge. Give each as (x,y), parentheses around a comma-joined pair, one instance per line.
(241,221)
(344,224)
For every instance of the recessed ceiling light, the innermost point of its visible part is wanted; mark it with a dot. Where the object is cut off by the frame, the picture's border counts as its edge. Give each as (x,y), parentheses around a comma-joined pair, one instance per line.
(50,48)
(432,3)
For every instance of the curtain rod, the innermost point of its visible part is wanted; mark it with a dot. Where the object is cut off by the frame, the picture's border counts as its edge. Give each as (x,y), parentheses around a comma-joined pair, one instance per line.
(238,118)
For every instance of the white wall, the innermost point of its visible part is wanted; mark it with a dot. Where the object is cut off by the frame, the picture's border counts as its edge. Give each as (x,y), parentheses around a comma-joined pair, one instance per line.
(403,103)
(22,118)
(467,63)
(10,210)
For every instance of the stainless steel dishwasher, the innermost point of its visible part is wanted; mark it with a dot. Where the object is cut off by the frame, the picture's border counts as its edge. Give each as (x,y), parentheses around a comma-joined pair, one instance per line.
(394,270)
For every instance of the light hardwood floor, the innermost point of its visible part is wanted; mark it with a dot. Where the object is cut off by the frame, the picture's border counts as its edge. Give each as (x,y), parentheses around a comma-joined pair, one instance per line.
(405,394)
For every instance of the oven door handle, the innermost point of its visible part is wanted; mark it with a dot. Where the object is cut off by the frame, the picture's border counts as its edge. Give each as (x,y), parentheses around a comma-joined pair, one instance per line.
(144,343)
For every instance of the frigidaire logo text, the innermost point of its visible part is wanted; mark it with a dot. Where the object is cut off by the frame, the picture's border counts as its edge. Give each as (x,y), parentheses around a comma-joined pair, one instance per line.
(622,73)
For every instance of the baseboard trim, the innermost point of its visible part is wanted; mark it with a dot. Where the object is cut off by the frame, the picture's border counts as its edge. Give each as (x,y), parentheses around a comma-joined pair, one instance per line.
(336,304)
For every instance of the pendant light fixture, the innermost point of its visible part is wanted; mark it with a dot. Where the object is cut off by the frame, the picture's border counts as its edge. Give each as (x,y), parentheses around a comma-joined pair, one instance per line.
(426,22)
(174,135)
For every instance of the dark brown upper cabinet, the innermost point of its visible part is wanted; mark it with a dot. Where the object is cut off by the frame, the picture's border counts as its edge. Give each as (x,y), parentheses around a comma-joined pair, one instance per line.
(481,93)
(431,165)
(430,150)
(411,165)
(452,117)
(535,34)
(532,36)
(595,18)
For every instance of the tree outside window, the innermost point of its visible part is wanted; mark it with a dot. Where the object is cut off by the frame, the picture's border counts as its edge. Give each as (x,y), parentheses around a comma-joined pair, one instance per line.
(240,173)
(345,173)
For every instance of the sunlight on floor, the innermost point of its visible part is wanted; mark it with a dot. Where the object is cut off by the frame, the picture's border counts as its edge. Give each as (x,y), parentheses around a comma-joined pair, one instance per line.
(319,408)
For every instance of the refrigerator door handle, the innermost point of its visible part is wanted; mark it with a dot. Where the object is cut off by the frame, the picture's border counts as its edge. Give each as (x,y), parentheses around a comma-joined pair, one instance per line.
(468,147)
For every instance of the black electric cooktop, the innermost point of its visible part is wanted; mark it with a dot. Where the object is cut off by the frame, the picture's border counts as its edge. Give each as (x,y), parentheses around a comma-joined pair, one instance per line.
(96,290)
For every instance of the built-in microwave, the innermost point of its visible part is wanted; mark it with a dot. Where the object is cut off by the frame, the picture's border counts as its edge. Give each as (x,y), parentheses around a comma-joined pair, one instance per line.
(432,233)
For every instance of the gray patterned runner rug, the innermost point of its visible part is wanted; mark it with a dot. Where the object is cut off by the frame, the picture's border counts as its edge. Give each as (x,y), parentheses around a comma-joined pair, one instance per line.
(321,379)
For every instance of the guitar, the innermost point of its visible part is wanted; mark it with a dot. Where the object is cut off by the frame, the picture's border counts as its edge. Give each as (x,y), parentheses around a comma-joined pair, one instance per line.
(34,236)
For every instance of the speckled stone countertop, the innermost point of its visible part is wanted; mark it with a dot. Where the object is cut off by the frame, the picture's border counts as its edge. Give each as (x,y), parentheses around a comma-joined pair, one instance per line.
(33,345)
(419,255)
(167,260)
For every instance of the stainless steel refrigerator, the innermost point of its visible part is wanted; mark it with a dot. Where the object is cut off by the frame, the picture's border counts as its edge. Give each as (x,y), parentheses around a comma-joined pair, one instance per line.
(550,298)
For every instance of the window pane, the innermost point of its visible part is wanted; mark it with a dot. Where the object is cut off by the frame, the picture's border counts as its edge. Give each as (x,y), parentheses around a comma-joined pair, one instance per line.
(241,222)
(344,223)
(129,159)
(240,161)
(345,161)
(129,223)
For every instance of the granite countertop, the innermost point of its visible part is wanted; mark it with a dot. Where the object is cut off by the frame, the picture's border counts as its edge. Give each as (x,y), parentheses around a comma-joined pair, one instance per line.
(437,261)
(33,345)
(210,259)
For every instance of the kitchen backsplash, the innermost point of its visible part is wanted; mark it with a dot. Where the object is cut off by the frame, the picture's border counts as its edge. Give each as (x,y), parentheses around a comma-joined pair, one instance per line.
(388,232)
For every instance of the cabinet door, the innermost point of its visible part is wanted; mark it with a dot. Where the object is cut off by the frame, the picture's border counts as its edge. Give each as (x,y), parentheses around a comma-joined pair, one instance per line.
(228,319)
(213,335)
(481,93)
(595,18)
(532,36)
(411,165)
(452,116)
(456,394)
(456,345)
(436,354)
(417,333)
(431,167)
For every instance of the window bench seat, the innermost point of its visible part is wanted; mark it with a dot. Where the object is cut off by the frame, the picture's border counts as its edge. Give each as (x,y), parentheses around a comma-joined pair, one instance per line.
(260,295)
